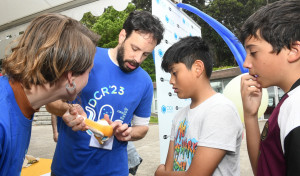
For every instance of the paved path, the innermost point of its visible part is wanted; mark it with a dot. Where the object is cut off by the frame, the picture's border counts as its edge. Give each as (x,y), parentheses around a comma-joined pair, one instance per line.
(43,146)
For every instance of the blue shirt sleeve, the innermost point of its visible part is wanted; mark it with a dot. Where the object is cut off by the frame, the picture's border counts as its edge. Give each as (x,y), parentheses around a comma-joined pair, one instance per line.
(144,108)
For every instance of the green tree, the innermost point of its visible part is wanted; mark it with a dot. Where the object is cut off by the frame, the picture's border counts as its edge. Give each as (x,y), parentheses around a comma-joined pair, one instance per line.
(88,20)
(109,25)
(227,13)
(143,4)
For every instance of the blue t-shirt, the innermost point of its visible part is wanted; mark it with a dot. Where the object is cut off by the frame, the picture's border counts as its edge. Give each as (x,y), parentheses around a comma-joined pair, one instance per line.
(109,91)
(58,123)
(15,131)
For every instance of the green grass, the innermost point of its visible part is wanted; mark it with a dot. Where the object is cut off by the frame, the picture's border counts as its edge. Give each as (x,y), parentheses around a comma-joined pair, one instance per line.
(153,120)
(221,68)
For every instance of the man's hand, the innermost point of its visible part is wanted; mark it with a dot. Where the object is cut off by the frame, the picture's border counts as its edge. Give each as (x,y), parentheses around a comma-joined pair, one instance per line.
(121,131)
(74,118)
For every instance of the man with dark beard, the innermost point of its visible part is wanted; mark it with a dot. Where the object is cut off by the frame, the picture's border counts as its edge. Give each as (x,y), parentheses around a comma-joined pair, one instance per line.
(117,87)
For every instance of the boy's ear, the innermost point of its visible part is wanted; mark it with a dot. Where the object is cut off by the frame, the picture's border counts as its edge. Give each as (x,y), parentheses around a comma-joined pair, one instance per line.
(198,67)
(122,36)
(294,54)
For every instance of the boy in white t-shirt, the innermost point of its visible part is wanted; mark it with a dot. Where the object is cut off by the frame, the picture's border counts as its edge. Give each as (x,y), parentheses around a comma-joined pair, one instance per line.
(206,135)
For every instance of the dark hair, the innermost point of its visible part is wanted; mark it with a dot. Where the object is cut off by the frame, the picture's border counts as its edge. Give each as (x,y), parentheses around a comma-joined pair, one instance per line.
(277,23)
(51,45)
(187,50)
(144,22)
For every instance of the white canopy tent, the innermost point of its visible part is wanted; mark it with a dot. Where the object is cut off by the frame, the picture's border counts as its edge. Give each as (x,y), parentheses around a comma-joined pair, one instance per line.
(16,14)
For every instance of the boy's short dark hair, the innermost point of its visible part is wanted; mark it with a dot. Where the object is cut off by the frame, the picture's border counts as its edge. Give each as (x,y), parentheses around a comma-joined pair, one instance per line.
(277,23)
(144,22)
(187,50)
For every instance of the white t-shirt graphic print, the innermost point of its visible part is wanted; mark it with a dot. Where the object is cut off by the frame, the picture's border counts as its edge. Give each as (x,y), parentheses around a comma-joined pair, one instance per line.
(215,123)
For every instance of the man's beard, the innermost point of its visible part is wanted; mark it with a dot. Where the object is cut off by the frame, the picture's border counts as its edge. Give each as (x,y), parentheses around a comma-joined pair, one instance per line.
(121,61)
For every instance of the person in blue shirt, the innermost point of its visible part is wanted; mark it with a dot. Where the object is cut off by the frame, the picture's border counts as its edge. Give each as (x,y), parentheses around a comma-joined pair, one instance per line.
(51,61)
(118,87)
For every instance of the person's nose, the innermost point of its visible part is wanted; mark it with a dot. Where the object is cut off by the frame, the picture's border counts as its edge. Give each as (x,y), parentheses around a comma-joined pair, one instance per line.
(247,63)
(172,80)
(138,57)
